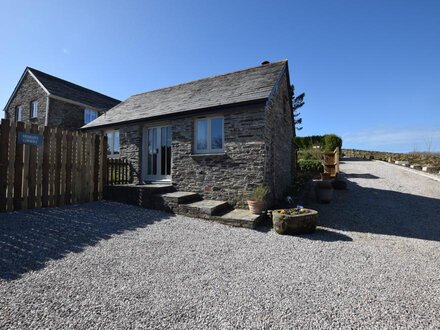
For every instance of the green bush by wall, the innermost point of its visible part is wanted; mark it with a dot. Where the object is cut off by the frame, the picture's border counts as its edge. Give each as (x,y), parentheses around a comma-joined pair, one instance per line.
(310,166)
(326,142)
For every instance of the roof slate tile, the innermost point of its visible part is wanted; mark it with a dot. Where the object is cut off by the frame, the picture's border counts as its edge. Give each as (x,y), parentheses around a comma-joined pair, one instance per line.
(240,86)
(65,89)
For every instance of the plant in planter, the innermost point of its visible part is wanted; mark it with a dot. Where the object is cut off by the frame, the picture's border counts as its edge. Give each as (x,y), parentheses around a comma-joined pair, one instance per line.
(296,221)
(257,200)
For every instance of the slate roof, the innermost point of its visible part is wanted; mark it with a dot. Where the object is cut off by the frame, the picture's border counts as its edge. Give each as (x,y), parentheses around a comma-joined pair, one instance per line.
(73,92)
(236,87)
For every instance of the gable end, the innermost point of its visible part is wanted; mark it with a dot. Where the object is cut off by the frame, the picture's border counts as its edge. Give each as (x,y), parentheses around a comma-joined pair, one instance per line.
(19,85)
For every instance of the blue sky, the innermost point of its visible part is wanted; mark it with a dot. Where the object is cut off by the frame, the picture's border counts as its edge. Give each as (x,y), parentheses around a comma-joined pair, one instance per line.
(370,69)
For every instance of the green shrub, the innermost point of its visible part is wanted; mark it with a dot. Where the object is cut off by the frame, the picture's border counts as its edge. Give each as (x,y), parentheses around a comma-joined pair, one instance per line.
(300,181)
(311,153)
(331,142)
(259,193)
(307,142)
(310,166)
(328,142)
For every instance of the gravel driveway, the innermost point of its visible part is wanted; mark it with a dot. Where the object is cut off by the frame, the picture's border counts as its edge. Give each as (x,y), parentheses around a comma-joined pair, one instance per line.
(374,263)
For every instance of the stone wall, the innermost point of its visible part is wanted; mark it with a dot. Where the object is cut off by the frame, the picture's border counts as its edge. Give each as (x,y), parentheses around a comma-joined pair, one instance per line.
(66,115)
(279,133)
(230,176)
(28,92)
(130,138)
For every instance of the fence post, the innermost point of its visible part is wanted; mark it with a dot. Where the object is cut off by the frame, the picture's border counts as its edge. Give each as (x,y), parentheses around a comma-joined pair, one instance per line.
(45,178)
(125,171)
(4,143)
(39,170)
(11,166)
(57,163)
(32,171)
(25,183)
(18,175)
(96,168)
(110,171)
(103,162)
(68,195)
(63,167)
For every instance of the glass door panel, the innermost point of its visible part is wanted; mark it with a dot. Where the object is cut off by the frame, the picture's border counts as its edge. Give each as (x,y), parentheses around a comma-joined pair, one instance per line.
(158,153)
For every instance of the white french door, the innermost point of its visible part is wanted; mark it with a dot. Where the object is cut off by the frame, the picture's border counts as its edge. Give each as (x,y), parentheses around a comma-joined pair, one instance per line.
(157,154)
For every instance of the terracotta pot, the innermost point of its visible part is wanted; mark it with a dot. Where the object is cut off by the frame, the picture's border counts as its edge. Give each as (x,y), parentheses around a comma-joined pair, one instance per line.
(256,207)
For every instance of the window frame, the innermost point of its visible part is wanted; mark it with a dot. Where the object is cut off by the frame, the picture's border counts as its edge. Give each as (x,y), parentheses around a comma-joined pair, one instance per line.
(87,112)
(209,149)
(34,106)
(112,146)
(19,111)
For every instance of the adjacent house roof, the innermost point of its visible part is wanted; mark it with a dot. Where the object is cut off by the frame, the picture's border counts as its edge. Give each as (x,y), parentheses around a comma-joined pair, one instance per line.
(68,91)
(249,85)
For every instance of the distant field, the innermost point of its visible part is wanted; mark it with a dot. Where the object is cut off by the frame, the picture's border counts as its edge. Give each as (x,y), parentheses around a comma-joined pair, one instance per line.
(421,158)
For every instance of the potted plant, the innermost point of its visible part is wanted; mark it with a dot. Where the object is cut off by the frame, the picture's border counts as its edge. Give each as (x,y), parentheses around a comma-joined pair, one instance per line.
(256,201)
(296,220)
(324,191)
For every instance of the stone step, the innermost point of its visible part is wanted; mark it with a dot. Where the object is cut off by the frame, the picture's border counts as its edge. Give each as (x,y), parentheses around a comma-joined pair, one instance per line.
(181,197)
(241,218)
(135,194)
(204,208)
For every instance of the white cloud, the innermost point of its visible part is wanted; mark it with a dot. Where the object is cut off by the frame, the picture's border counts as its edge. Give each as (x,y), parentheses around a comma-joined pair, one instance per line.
(65,51)
(394,139)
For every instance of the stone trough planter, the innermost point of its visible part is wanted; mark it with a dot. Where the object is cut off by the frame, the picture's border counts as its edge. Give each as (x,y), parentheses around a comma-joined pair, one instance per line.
(294,221)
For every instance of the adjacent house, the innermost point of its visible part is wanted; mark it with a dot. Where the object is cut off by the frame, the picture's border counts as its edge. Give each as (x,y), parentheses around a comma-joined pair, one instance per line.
(220,137)
(42,99)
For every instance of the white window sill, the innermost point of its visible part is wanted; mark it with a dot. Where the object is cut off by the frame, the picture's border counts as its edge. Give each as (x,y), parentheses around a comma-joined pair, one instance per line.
(212,154)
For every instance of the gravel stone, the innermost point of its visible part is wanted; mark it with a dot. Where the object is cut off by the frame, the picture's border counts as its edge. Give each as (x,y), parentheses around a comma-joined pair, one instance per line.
(373,263)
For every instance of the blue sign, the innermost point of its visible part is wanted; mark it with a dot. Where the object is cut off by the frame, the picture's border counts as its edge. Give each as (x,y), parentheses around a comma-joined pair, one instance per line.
(30,138)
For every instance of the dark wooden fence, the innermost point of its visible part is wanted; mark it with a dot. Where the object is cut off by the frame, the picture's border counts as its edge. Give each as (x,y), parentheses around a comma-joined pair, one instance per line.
(64,168)
(119,171)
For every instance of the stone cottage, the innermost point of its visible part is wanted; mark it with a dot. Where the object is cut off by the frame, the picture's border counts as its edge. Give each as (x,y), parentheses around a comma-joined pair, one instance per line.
(220,136)
(42,99)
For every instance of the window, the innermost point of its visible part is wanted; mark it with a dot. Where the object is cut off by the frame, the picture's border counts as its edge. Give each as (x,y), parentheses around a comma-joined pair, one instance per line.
(89,115)
(209,135)
(34,109)
(18,113)
(112,143)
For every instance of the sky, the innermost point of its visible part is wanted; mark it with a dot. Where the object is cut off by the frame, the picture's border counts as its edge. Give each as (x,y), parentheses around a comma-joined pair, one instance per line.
(370,69)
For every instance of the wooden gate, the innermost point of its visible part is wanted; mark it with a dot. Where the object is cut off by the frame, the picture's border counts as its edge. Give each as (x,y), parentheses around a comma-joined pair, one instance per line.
(119,172)
(41,166)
